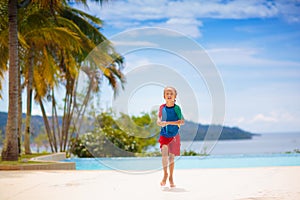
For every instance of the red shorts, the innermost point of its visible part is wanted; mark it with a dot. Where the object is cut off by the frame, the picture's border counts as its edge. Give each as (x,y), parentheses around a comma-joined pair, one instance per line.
(173,144)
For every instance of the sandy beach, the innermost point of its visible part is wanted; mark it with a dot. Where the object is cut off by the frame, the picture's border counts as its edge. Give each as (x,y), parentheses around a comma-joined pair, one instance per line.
(209,184)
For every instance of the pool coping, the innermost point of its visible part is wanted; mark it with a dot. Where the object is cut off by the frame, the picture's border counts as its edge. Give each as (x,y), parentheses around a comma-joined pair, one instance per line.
(46,162)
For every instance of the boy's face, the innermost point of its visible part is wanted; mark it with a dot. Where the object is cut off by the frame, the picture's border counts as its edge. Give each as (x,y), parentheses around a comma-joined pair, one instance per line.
(169,95)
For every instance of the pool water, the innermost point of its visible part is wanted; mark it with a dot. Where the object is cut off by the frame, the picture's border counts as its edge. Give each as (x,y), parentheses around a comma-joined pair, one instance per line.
(187,162)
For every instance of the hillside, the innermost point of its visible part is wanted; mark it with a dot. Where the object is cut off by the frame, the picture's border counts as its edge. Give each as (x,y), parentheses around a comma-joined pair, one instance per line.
(189,129)
(37,123)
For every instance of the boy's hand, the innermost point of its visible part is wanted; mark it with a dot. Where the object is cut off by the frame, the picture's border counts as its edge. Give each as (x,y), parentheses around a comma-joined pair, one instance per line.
(162,123)
(178,122)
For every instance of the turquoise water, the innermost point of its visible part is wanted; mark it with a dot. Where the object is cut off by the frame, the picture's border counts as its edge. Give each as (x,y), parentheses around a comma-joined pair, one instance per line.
(187,162)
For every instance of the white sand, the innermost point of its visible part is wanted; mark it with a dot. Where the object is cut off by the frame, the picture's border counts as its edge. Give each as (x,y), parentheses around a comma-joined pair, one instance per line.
(208,184)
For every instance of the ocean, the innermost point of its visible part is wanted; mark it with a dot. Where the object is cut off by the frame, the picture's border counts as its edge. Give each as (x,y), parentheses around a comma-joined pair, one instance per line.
(264,150)
(262,144)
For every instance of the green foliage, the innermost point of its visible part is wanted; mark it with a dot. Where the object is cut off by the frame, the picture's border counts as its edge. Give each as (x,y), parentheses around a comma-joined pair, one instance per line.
(124,136)
(294,151)
(78,148)
(189,153)
(193,153)
(41,140)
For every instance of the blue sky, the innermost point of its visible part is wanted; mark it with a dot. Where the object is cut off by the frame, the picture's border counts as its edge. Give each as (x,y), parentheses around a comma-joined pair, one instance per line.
(254,45)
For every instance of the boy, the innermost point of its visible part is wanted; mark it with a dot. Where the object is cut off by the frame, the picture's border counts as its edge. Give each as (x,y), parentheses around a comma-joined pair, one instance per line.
(170,119)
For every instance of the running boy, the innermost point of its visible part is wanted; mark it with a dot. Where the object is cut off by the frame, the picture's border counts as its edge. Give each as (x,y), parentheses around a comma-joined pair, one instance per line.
(169,118)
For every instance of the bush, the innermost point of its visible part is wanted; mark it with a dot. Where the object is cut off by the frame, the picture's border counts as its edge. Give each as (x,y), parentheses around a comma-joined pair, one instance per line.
(122,137)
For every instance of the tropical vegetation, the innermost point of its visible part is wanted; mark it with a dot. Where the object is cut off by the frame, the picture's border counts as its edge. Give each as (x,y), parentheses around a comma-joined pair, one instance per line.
(114,136)
(45,43)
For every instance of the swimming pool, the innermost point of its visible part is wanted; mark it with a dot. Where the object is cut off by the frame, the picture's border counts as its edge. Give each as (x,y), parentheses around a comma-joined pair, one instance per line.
(186,162)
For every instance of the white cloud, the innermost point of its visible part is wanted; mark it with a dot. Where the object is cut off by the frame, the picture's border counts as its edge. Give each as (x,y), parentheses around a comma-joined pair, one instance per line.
(240,120)
(185,15)
(263,118)
(289,10)
(274,118)
(187,26)
(273,121)
(134,61)
(238,9)
(134,43)
(246,57)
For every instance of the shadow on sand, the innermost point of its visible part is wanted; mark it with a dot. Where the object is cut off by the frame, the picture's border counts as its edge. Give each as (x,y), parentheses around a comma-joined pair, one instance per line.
(174,189)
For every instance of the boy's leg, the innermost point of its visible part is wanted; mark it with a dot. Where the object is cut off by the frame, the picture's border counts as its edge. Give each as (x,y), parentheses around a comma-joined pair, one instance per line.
(164,153)
(171,168)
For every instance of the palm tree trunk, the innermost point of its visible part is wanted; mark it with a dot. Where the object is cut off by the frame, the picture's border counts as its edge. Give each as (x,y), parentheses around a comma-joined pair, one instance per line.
(29,103)
(68,111)
(28,121)
(55,119)
(19,113)
(66,120)
(70,114)
(11,151)
(81,112)
(47,126)
(53,123)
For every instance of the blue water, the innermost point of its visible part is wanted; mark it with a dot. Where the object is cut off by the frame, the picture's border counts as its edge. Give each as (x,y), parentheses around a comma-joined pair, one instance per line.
(187,162)
(267,143)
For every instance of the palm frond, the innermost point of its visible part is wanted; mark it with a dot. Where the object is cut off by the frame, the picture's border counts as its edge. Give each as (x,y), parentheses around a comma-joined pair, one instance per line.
(86,44)
(52,5)
(87,27)
(67,38)
(3,15)
(93,19)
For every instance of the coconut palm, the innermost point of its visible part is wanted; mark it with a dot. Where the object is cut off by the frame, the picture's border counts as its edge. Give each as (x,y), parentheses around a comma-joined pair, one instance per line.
(10,150)
(65,61)
(43,38)
(108,66)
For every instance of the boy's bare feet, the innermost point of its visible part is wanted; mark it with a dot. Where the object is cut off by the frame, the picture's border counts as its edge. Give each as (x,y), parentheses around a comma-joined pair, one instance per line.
(164,180)
(171,182)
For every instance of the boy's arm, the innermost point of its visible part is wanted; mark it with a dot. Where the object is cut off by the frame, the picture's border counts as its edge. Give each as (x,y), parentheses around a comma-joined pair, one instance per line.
(161,123)
(178,122)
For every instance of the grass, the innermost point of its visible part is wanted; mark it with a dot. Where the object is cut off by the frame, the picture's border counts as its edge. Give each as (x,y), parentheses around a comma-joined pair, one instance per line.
(24,160)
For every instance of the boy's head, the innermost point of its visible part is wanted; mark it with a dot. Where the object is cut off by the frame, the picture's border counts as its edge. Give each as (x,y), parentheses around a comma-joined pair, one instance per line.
(170,93)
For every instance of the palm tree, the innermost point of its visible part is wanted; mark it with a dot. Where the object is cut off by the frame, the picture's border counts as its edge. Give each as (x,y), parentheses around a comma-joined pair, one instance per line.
(4,47)
(109,67)
(63,61)
(41,37)
(10,150)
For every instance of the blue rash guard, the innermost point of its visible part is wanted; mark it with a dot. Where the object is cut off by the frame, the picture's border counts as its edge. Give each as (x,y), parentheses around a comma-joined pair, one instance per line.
(170,114)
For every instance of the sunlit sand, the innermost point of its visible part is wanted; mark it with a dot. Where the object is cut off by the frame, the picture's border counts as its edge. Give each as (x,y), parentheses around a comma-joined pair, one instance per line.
(262,183)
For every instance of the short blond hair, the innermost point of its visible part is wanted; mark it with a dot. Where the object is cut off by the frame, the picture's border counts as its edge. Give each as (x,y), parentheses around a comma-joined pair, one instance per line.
(170,88)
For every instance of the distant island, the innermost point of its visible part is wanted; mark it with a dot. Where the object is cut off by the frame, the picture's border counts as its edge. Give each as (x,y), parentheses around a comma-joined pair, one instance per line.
(190,131)
(193,131)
